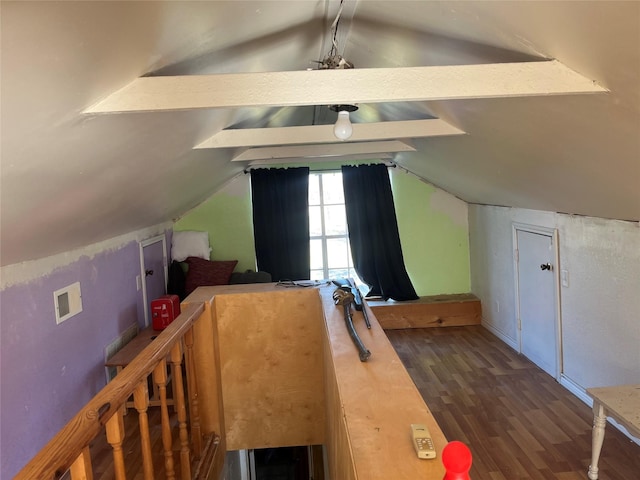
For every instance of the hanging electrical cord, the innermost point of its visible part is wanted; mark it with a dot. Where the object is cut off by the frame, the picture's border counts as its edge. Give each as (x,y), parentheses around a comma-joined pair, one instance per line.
(334,28)
(334,60)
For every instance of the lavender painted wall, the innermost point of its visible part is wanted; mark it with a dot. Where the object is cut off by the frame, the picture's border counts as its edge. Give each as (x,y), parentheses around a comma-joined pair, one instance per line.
(49,371)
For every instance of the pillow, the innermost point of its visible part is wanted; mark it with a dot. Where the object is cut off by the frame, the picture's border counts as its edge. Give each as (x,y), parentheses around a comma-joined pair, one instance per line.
(205,272)
(190,244)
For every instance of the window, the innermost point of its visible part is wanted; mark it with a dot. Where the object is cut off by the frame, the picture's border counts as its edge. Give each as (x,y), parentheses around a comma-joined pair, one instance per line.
(330,252)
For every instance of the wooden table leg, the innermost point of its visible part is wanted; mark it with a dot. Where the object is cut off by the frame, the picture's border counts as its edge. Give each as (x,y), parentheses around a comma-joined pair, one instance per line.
(599,422)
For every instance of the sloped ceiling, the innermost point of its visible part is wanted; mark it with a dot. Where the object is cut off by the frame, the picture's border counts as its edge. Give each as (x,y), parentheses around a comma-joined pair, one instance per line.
(69,179)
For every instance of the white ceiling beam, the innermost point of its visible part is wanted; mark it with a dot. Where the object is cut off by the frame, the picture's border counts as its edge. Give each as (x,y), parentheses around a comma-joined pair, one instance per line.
(317,151)
(329,87)
(246,137)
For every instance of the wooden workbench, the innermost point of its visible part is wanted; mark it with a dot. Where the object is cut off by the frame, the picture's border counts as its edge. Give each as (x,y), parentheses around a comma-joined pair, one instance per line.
(289,374)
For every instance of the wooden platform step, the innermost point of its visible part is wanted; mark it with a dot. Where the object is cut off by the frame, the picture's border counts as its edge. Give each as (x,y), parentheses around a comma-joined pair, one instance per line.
(431,311)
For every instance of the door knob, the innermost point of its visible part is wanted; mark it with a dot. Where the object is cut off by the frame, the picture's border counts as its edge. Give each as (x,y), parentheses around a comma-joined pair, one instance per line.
(545,266)
(148,273)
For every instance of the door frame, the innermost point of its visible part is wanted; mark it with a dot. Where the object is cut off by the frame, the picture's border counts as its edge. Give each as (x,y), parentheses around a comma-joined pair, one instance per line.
(145,243)
(553,234)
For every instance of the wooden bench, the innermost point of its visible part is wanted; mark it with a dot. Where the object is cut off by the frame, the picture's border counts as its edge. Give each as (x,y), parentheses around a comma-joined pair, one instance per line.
(128,353)
(432,311)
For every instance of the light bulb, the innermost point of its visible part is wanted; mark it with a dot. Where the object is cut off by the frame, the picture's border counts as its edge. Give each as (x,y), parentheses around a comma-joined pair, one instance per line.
(343,129)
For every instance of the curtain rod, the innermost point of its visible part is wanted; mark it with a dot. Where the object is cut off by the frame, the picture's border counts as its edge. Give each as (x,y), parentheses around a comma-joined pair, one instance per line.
(389,164)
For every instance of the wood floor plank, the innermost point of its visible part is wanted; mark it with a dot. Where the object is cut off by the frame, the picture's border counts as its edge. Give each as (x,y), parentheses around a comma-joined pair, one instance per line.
(517,420)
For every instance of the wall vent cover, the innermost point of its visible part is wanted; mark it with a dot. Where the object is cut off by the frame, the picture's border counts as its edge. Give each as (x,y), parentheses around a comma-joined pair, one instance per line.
(68,302)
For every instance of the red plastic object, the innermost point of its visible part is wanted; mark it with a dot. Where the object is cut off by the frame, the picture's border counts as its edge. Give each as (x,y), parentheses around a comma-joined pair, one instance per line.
(164,310)
(456,458)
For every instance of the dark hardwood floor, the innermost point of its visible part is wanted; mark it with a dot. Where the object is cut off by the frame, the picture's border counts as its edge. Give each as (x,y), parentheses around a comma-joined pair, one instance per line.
(517,420)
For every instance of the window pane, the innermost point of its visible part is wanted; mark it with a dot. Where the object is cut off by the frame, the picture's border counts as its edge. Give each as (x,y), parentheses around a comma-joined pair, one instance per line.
(316,254)
(338,273)
(315,222)
(326,211)
(332,188)
(337,253)
(314,189)
(335,220)
(317,275)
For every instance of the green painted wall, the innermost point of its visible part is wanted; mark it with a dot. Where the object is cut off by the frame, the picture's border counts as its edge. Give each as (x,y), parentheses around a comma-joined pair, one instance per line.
(434,234)
(227,218)
(432,224)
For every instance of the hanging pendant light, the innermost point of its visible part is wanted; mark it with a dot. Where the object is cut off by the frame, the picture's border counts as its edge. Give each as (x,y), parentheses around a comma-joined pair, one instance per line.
(343,128)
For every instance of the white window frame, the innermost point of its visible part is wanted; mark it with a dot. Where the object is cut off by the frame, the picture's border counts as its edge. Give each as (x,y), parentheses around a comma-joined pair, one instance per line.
(323,238)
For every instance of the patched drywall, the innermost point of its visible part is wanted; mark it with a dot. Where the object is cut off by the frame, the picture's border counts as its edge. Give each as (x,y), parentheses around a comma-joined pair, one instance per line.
(451,207)
(24,272)
(599,306)
(48,370)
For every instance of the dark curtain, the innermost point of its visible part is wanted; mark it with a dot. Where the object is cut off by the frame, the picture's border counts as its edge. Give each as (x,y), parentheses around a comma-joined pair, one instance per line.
(281,221)
(373,232)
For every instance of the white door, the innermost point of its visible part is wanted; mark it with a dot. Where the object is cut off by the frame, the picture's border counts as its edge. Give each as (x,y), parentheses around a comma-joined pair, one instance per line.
(154,270)
(536,278)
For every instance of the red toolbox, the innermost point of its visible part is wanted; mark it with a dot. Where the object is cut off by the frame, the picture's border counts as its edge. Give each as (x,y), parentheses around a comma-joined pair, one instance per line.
(164,310)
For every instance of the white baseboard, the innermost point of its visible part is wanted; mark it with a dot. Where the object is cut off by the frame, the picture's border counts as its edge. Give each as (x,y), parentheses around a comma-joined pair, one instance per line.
(581,393)
(501,335)
(576,389)
(565,381)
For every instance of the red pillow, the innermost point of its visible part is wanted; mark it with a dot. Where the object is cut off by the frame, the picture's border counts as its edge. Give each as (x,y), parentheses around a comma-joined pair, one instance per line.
(206,272)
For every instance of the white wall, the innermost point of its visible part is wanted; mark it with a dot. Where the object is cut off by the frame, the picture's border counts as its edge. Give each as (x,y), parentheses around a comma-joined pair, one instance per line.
(600,309)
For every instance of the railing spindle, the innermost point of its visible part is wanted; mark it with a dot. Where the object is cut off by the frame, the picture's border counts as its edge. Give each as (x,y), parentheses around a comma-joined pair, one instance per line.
(192,386)
(141,402)
(185,454)
(160,379)
(81,468)
(68,450)
(115,437)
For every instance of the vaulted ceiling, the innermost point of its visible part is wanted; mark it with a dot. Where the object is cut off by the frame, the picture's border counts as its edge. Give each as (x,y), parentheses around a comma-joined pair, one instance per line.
(116,116)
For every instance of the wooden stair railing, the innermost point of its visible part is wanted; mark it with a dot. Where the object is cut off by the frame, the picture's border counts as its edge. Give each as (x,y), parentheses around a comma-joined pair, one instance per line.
(69,449)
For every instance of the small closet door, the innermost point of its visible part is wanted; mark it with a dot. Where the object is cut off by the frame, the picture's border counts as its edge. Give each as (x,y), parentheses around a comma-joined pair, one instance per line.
(154,271)
(537,299)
